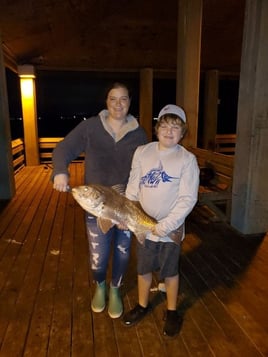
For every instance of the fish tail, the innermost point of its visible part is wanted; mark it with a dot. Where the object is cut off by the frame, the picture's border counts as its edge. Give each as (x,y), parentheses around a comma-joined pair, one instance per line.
(141,237)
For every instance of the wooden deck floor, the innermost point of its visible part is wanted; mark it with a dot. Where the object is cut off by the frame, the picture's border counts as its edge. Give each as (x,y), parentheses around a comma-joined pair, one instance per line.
(45,285)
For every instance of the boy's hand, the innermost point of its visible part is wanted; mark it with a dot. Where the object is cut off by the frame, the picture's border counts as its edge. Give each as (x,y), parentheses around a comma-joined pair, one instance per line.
(159,231)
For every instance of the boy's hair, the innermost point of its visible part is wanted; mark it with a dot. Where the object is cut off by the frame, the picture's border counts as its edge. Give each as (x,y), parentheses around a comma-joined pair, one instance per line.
(171,119)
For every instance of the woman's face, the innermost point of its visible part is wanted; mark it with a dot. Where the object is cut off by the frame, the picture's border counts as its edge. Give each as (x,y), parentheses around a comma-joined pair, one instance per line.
(118,103)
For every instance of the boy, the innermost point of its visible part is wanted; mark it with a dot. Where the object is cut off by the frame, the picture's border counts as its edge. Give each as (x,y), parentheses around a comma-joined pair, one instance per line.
(164,178)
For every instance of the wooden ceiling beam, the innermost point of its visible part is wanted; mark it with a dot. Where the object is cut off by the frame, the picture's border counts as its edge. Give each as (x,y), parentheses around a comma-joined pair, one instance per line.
(9,59)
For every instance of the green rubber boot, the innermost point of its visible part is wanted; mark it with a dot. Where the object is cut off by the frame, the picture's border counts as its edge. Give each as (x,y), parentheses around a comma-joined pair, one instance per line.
(115,307)
(98,301)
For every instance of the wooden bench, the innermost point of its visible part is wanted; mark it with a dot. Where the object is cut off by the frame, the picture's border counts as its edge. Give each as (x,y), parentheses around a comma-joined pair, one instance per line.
(216,176)
(225,143)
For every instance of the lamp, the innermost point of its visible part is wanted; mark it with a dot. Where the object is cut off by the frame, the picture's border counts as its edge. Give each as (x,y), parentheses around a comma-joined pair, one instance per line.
(26,71)
(27,74)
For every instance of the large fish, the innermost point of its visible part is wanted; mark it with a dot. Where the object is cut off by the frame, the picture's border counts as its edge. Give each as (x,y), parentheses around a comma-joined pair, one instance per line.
(111,207)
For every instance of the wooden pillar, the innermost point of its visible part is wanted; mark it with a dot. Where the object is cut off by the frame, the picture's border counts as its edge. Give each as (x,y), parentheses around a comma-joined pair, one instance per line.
(146,101)
(29,114)
(250,193)
(188,63)
(210,109)
(7,182)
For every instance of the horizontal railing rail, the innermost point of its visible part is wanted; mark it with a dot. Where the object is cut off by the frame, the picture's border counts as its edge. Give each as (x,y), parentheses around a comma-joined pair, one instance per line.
(224,143)
(18,154)
(46,146)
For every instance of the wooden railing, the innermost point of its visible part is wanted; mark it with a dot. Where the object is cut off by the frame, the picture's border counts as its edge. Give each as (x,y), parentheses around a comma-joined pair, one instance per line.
(225,144)
(18,154)
(46,146)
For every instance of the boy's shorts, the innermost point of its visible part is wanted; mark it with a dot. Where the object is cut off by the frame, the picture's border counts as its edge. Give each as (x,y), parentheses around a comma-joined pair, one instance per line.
(158,256)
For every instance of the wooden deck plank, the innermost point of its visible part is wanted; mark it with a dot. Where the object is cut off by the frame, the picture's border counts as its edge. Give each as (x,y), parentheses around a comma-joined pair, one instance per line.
(249,286)
(201,317)
(60,334)
(233,333)
(16,208)
(12,267)
(40,324)
(46,285)
(23,304)
(233,306)
(222,284)
(82,332)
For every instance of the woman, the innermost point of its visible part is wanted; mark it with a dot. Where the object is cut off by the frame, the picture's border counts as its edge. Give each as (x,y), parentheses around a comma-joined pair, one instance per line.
(108,141)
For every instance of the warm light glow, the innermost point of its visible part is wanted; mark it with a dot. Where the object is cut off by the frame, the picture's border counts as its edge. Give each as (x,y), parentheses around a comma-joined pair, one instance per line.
(27,87)
(27,76)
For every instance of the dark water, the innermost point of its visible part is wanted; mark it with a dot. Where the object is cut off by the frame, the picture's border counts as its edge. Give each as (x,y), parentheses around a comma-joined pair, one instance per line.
(66,98)
(46,127)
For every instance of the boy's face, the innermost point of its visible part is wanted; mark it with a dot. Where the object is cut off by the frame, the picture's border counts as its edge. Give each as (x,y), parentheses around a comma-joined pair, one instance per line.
(169,133)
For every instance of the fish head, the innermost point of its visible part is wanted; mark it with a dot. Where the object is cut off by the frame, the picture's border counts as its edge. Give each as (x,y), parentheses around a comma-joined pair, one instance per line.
(89,198)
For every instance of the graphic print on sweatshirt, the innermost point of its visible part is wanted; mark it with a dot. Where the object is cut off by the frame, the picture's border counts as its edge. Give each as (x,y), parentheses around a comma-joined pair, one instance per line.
(155,176)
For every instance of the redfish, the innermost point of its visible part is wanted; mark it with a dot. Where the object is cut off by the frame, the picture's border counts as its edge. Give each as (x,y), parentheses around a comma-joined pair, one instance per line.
(111,207)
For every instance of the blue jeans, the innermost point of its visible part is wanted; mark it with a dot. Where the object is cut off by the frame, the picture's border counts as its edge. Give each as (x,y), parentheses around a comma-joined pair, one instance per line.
(100,245)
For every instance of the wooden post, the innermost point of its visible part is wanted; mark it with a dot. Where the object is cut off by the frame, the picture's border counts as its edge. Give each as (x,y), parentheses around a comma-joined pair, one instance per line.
(29,113)
(250,194)
(7,182)
(146,101)
(210,109)
(188,63)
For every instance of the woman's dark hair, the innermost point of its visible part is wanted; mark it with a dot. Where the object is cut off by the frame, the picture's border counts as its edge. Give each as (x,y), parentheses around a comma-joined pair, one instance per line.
(116,85)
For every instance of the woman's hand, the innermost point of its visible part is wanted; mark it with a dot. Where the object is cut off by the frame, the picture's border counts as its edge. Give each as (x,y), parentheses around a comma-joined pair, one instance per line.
(60,182)
(122,227)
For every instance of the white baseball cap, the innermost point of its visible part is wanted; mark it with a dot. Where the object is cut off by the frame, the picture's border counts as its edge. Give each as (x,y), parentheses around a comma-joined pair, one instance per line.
(173,109)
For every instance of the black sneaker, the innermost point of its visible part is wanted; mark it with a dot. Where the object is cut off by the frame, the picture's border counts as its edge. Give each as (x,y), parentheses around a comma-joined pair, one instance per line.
(173,323)
(135,315)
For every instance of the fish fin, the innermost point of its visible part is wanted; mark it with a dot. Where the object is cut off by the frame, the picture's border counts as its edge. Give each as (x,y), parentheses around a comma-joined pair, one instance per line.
(120,188)
(104,224)
(177,234)
(141,237)
(137,204)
